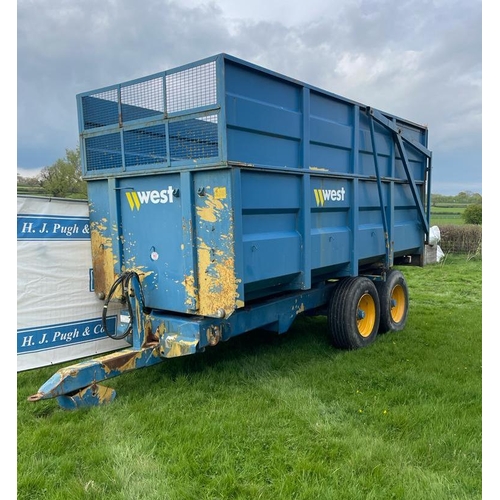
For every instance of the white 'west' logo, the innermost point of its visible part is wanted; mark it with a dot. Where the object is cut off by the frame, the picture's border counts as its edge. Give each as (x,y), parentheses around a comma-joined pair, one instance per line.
(137,198)
(323,195)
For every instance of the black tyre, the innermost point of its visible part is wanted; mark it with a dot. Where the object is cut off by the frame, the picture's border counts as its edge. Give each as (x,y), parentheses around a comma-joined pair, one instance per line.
(393,296)
(354,313)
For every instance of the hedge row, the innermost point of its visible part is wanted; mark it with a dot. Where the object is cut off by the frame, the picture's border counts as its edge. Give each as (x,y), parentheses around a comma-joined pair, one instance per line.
(466,238)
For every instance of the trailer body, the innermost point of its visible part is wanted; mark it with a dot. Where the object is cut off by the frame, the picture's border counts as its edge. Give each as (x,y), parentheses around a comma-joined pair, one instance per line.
(225,197)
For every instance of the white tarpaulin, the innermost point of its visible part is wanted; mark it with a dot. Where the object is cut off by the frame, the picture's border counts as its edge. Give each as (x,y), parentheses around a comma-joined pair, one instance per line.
(58,314)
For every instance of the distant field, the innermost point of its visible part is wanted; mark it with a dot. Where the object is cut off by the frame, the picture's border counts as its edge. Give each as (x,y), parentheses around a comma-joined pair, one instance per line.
(443,214)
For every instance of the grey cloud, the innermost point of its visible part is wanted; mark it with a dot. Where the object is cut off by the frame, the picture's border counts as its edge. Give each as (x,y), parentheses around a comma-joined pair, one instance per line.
(417,59)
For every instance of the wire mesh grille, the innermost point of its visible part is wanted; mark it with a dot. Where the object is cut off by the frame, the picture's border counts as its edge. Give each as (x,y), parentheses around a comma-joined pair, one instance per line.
(181,92)
(145,146)
(103,152)
(100,109)
(142,100)
(194,138)
(191,88)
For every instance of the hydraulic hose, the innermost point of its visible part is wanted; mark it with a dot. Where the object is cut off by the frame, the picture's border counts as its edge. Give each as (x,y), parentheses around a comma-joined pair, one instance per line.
(124,281)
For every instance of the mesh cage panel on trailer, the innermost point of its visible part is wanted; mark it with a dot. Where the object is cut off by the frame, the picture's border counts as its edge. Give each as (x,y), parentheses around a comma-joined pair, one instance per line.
(100,109)
(191,88)
(142,100)
(151,100)
(146,145)
(103,152)
(194,138)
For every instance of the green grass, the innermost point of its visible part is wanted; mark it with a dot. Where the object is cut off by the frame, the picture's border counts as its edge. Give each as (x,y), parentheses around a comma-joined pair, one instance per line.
(282,417)
(445,220)
(442,215)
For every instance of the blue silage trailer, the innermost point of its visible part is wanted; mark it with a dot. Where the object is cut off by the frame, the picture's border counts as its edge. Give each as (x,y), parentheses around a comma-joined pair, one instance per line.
(225,197)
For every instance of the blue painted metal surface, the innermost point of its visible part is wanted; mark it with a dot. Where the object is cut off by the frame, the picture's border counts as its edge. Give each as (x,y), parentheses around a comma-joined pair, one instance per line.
(237,194)
(222,182)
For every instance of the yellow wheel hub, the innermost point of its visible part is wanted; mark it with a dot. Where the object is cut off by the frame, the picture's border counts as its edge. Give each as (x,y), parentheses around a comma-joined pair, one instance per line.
(366,315)
(398,303)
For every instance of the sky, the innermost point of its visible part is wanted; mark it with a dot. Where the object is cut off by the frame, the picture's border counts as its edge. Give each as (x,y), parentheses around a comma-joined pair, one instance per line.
(417,59)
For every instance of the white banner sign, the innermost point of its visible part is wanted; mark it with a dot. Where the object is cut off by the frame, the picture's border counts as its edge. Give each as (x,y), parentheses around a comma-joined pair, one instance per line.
(58,314)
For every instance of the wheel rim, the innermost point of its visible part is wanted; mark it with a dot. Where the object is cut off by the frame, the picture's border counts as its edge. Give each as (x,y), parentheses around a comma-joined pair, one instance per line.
(398,303)
(366,315)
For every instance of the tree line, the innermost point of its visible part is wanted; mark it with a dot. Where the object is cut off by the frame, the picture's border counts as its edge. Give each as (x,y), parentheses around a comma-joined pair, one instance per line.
(462,198)
(63,179)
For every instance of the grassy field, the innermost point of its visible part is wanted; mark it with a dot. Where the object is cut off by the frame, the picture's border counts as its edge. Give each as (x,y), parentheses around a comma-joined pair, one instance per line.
(442,215)
(282,417)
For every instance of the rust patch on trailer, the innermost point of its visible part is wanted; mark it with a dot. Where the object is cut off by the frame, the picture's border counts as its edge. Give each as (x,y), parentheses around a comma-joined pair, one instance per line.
(124,361)
(119,362)
(103,260)
(214,334)
(161,329)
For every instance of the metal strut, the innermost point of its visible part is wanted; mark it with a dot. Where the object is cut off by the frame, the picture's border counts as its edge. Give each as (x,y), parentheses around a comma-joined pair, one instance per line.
(388,251)
(400,138)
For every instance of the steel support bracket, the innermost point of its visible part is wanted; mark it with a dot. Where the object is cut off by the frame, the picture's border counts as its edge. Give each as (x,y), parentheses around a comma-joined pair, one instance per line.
(401,138)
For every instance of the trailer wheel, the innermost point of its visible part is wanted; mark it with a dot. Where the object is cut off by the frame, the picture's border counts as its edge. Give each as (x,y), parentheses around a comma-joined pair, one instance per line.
(354,313)
(393,295)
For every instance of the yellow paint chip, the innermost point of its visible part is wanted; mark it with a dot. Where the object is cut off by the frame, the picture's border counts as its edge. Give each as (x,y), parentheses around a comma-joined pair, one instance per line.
(220,193)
